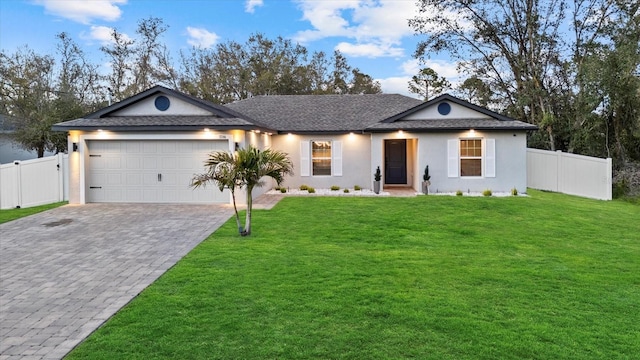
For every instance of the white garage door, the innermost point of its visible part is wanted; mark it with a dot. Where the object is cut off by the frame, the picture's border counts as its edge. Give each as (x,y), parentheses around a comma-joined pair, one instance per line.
(158,171)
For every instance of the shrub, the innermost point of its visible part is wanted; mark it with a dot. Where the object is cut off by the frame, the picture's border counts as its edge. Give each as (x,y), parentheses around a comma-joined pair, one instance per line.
(426,176)
(459,193)
(277,188)
(335,188)
(514,192)
(310,190)
(377,176)
(304,187)
(487,193)
(357,187)
(283,190)
(346,191)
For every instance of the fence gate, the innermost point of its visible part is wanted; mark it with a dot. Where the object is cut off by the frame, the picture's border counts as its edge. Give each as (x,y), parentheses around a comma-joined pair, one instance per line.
(33,182)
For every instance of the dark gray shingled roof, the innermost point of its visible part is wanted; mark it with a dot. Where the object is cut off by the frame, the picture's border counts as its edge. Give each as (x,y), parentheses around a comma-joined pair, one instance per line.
(323,113)
(296,113)
(151,123)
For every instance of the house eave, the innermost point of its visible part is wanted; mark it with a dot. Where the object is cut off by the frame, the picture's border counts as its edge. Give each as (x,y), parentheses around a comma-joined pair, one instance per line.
(156,128)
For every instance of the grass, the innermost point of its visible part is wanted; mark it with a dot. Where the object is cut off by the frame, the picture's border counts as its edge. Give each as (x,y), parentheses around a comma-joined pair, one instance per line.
(542,277)
(12,214)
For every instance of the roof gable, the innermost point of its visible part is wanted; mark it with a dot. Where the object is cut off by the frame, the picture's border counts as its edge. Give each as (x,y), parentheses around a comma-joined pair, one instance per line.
(436,109)
(144,104)
(448,113)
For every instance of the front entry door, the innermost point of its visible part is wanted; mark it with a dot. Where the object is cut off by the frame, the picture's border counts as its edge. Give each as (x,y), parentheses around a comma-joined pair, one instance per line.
(395,153)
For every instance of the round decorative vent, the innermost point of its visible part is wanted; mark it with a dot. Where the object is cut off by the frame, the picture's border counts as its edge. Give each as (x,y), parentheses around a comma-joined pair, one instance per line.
(162,103)
(444,108)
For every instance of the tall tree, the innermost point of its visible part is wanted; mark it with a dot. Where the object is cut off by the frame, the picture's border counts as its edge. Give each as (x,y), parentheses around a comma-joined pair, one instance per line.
(511,44)
(139,63)
(27,93)
(120,55)
(233,71)
(427,83)
(476,91)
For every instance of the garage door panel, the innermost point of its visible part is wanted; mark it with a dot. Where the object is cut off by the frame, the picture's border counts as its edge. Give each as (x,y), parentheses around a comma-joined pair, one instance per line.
(168,147)
(113,163)
(133,179)
(133,194)
(132,147)
(114,178)
(127,171)
(133,162)
(149,147)
(149,179)
(169,163)
(149,162)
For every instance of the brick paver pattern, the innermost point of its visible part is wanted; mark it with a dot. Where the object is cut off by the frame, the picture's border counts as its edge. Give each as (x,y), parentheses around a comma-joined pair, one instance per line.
(64,272)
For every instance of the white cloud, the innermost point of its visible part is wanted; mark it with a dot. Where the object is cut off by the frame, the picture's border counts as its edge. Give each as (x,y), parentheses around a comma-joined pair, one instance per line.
(376,27)
(101,34)
(84,11)
(251,5)
(397,85)
(369,50)
(200,37)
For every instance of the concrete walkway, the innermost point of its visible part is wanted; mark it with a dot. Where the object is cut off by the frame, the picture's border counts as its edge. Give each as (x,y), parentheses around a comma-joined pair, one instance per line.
(65,271)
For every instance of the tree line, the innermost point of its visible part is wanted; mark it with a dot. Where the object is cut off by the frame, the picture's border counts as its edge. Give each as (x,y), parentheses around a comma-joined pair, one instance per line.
(39,90)
(571,67)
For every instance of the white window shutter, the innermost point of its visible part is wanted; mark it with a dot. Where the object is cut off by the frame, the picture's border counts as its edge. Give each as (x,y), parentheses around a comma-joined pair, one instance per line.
(336,162)
(490,158)
(305,166)
(452,158)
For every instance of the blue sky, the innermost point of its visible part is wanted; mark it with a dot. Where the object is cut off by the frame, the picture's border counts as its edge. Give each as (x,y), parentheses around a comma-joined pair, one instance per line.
(373,35)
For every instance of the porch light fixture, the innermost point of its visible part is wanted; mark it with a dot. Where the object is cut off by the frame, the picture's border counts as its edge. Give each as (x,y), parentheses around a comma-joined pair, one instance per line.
(74,147)
(206,129)
(472,132)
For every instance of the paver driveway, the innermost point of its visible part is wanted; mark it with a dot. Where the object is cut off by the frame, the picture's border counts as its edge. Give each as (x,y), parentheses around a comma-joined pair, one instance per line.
(65,271)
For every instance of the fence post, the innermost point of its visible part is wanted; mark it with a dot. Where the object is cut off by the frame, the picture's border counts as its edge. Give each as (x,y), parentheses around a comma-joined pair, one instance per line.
(60,176)
(560,179)
(609,180)
(18,183)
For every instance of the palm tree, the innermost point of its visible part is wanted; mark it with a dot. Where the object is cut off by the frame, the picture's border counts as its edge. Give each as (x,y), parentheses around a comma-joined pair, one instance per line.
(222,171)
(247,167)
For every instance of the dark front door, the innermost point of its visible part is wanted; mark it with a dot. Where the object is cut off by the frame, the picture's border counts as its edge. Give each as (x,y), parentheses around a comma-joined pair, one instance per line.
(395,168)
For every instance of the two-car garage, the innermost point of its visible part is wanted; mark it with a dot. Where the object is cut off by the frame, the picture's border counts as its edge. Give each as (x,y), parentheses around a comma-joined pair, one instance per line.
(149,171)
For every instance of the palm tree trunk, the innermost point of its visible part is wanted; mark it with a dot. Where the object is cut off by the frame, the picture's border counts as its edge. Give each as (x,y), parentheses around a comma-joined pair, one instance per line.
(247,221)
(235,209)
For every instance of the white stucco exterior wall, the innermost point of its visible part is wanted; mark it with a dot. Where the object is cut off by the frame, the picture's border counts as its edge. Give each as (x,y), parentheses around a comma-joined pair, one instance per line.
(510,161)
(356,160)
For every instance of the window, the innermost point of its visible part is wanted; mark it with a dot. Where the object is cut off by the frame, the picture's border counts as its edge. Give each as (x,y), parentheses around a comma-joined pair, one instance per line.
(470,157)
(321,158)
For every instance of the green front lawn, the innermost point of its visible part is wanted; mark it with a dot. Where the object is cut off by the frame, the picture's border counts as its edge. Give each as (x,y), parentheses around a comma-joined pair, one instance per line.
(542,277)
(12,214)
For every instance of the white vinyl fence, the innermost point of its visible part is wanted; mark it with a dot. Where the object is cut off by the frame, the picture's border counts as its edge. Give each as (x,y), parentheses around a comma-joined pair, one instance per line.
(569,173)
(34,182)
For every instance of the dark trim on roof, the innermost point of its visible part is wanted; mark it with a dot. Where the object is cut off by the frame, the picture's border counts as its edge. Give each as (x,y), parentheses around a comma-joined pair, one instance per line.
(453,99)
(156,128)
(450,129)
